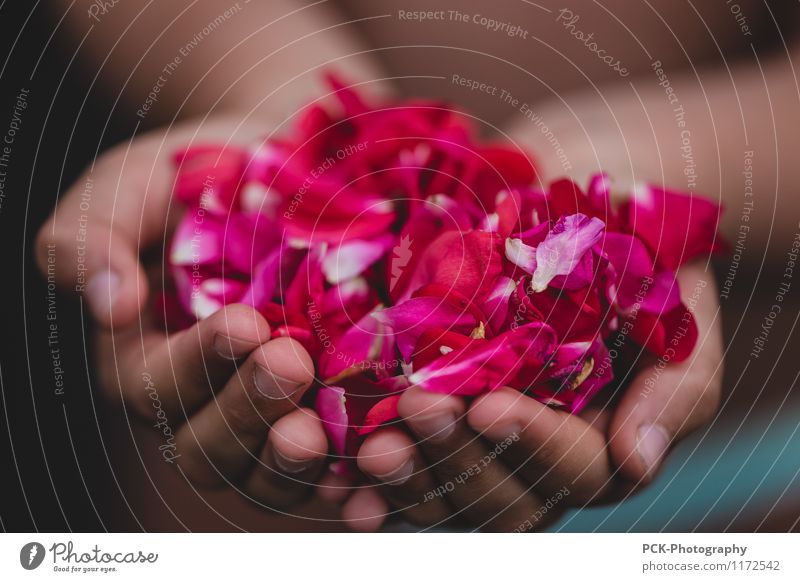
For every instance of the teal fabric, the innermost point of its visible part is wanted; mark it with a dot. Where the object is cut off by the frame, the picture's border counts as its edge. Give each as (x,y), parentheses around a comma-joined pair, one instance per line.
(730,472)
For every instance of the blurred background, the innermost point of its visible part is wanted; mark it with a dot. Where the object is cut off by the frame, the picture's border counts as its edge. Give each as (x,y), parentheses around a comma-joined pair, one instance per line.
(67,467)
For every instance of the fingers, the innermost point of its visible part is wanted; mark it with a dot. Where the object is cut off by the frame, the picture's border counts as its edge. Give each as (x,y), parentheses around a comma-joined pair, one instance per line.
(668,400)
(658,408)
(334,488)
(550,449)
(220,441)
(91,243)
(393,460)
(290,463)
(183,370)
(103,265)
(365,511)
(480,488)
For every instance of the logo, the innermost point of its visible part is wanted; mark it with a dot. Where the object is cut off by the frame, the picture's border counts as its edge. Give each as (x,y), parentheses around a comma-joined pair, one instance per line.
(31,555)
(401,255)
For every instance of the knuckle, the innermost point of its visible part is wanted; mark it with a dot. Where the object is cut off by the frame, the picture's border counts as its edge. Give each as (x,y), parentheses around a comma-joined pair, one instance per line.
(708,403)
(706,391)
(243,418)
(545,455)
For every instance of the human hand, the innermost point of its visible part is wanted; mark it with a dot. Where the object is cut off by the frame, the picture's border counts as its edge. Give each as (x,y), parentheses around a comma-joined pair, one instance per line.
(224,396)
(506,462)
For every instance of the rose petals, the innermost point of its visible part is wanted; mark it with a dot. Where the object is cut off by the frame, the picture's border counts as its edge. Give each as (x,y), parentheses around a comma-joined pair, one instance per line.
(466,262)
(487,279)
(365,345)
(409,320)
(353,257)
(497,303)
(564,247)
(209,176)
(521,255)
(486,365)
(330,407)
(645,215)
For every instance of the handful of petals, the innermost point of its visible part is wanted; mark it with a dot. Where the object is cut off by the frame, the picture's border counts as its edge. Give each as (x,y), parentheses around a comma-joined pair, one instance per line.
(399,249)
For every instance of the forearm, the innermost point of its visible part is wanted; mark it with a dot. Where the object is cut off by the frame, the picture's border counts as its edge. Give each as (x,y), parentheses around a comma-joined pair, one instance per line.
(244,54)
(733,138)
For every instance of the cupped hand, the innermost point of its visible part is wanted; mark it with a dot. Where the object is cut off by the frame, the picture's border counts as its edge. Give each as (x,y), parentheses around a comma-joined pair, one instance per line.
(506,462)
(222,393)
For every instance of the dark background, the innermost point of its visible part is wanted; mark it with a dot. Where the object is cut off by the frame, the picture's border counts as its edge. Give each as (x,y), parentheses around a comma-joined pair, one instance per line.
(54,474)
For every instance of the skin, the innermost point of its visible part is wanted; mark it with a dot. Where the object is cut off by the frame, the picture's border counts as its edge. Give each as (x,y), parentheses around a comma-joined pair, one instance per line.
(603,454)
(269,449)
(229,392)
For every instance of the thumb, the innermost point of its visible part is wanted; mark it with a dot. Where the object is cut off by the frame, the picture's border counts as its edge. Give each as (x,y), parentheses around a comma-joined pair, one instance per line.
(668,400)
(91,243)
(661,406)
(84,255)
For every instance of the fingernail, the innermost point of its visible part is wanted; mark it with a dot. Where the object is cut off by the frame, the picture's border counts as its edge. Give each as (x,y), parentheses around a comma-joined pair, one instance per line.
(399,475)
(232,348)
(101,292)
(434,427)
(289,465)
(274,386)
(652,442)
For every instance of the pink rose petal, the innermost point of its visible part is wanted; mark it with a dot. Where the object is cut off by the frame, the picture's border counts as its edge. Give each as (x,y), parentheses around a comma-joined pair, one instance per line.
(564,247)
